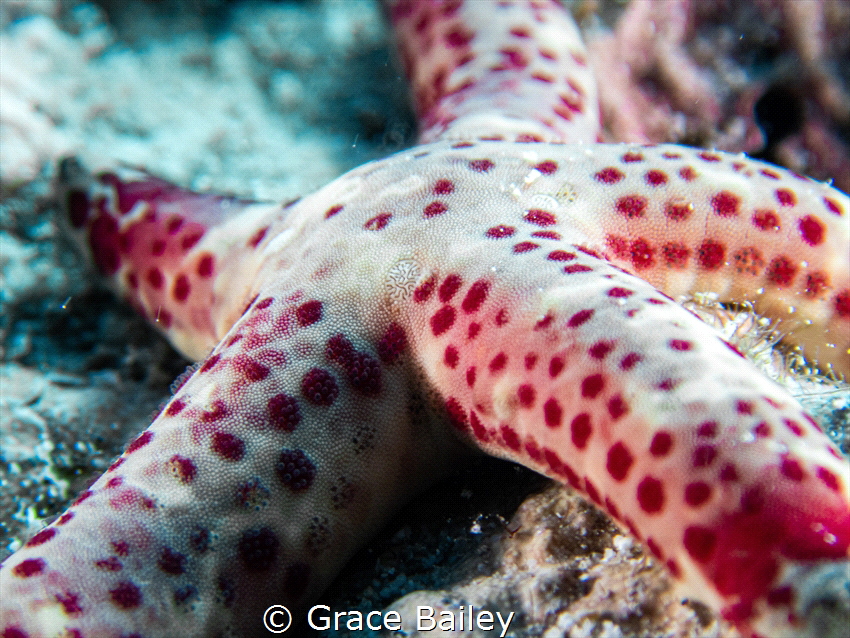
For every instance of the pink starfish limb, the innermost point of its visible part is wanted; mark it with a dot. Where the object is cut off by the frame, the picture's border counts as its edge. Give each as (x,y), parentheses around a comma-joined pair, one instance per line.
(488,289)
(529,56)
(169,252)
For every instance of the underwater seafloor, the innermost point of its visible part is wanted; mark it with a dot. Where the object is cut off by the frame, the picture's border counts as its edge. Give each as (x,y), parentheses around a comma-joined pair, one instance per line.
(272,100)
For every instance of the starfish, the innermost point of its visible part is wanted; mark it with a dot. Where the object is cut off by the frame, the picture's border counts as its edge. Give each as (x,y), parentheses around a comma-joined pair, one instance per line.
(507,285)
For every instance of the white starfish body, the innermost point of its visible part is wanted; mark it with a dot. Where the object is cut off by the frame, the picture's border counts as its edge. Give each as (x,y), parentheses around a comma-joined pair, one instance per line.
(498,293)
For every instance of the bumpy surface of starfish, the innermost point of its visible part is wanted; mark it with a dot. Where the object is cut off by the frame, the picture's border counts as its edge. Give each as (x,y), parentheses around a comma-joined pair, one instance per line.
(498,285)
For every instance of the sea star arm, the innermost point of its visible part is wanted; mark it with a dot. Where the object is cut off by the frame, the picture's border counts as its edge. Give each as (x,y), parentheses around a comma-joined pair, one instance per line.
(691,221)
(458,55)
(176,256)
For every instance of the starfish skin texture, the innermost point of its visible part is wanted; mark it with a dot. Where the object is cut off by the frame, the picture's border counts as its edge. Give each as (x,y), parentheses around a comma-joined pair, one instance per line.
(506,285)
